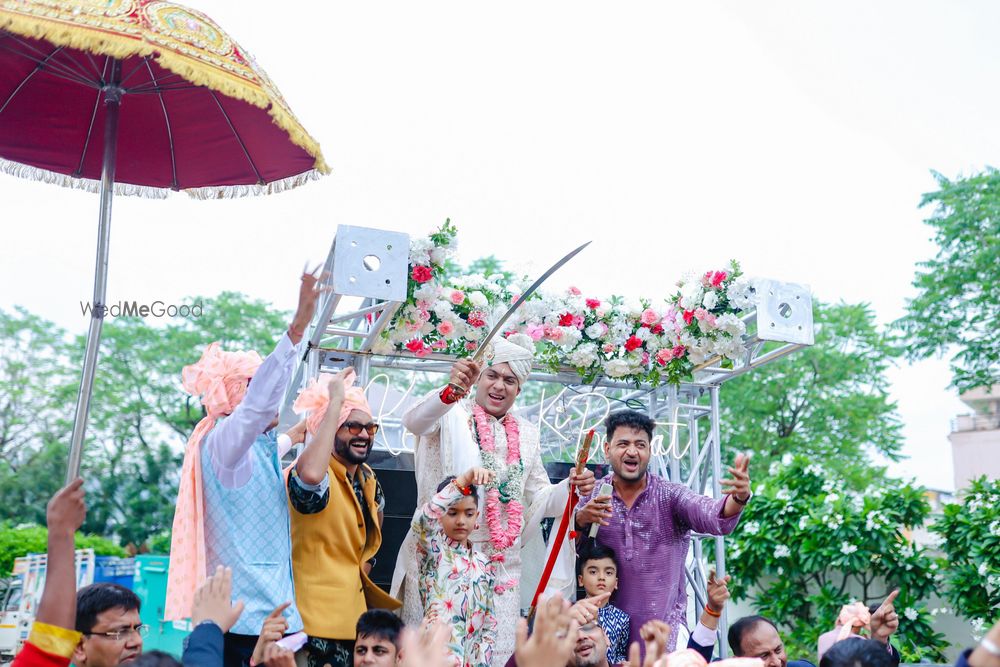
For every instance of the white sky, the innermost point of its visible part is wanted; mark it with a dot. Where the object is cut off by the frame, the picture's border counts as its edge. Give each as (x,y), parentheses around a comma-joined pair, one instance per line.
(794,136)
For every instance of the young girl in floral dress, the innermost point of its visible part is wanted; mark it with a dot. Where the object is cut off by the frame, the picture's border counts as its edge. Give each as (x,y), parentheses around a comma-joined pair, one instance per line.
(458,583)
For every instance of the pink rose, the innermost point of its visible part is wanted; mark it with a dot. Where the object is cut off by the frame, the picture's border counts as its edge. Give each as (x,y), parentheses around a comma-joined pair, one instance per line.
(457,297)
(593,304)
(477,318)
(678,351)
(417,347)
(718,277)
(649,317)
(439,345)
(608,348)
(700,313)
(471,345)
(578,321)
(445,327)
(574,291)
(422,274)
(664,356)
(535,331)
(706,280)
(553,333)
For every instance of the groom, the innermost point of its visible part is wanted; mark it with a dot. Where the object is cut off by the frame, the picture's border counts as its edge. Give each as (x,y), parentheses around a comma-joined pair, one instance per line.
(455,434)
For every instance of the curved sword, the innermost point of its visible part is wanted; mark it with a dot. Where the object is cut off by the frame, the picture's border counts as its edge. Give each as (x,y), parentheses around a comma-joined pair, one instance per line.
(498,327)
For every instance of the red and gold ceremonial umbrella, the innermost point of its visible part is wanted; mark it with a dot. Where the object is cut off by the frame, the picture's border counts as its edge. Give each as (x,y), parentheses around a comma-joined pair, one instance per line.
(139,97)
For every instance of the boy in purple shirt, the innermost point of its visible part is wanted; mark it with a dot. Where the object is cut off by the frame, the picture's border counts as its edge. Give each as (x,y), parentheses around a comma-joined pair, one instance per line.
(647,521)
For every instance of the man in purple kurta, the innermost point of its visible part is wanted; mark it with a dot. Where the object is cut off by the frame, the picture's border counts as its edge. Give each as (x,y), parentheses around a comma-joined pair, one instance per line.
(647,521)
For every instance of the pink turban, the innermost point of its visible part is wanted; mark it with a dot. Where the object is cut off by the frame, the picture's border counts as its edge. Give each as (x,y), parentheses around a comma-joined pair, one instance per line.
(690,658)
(315,398)
(220,378)
(855,615)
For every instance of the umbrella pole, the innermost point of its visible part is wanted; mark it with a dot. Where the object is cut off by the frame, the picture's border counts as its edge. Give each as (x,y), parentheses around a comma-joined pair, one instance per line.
(112,102)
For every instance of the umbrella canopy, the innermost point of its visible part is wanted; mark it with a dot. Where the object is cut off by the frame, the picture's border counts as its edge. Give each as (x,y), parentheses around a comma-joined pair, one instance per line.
(138,97)
(197,113)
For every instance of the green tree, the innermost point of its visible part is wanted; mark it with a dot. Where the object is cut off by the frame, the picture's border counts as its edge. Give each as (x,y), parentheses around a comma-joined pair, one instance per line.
(35,377)
(828,402)
(970,540)
(809,543)
(140,416)
(31,539)
(957,306)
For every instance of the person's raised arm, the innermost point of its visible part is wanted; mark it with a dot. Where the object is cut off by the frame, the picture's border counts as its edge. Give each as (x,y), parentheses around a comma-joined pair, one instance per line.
(63,516)
(53,637)
(422,419)
(230,441)
(315,459)
(702,638)
(737,486)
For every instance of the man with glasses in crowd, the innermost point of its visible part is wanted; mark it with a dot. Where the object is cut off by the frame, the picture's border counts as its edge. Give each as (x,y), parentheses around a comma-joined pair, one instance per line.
(337,507)
(107,615)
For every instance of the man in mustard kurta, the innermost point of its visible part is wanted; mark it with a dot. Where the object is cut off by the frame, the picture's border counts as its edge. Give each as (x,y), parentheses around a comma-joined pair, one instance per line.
(336,518)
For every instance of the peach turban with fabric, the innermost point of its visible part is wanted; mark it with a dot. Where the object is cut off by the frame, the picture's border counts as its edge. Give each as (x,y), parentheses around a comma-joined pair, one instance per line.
(220,378)
(854,615)
(315,399)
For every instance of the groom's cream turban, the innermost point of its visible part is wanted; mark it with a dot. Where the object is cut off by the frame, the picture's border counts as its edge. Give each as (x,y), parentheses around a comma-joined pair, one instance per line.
(518,352)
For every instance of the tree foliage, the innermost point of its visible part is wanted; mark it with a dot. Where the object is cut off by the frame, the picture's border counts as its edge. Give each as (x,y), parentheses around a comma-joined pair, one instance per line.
(957,306)
(31,539)
(970,532)
(140,416)
(828,402)
(809,544)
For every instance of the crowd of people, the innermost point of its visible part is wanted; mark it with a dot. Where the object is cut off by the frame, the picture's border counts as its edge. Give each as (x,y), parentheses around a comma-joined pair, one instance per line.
(271,563)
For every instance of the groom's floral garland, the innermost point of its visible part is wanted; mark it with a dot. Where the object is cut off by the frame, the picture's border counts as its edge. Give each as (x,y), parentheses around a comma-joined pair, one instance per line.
(507,486)
(450,313)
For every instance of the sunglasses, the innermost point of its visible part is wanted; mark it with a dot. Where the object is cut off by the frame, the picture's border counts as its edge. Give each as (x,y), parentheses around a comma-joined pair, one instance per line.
(355,428)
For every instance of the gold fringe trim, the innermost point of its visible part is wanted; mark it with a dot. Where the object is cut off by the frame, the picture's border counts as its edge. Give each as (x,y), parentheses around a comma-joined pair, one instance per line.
(120,46)
(86,184)
(148,192)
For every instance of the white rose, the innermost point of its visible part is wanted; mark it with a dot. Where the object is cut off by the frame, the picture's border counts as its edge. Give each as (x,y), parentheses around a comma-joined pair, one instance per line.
(426,292)
(730,324)
(478,299)
(439,255)
(571,336)
(583,356)
(740,295)
(691,295)
(710,299)
(616,368)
